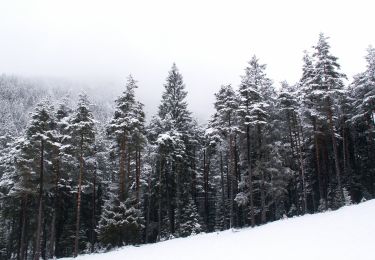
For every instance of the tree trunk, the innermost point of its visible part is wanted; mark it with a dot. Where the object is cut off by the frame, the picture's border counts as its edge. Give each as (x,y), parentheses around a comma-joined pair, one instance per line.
(317,158)
(52,235)
(10,247)
(51,250)
(228,175)
(262,185)
(326,168)
(122,168)
(138,173)
(128,173)
(236,181)
(40,208)
(250,176)
(290,134)
(222,187)
(169,196)
(176,210)
(52,242)
(231,178)
(205,177)
(78,213)
(148,206)
(302,166)
(194,179)
(173,196)
(44,241)
(344,148)
(299,137)
(335,152)
(21,253)
(160,197)
(93,214)
(26,252)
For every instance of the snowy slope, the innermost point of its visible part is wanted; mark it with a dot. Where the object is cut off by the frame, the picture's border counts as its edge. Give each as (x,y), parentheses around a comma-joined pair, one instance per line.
(348,233)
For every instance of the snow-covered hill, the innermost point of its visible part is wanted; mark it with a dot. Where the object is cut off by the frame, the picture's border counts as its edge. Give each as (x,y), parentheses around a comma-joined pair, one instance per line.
(348,233)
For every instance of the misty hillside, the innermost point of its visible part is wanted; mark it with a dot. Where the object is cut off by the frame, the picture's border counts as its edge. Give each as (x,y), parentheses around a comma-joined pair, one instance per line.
(19,95)
(345,234)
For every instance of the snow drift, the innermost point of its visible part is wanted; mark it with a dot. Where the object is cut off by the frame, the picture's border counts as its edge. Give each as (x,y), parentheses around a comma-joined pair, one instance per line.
(348,233)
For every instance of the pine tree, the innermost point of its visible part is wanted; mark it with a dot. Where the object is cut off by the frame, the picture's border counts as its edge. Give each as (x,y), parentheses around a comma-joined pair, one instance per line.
(173,104)
(120,222)
(172,134)
(15,191)
(329,84)
(126,129)
(215,143)
(189,219)
(225,123)
(39,134)
(248,92)
(82,127)
(59,157)
(70,185)
(291,117)
(256,100)
(311,121)
(362,118)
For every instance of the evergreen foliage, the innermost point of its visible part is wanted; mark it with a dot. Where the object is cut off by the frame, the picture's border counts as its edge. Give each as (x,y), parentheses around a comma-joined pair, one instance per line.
(77,177)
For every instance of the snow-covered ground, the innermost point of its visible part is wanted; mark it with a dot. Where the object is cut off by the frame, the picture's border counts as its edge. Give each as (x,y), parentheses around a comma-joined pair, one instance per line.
(348,233)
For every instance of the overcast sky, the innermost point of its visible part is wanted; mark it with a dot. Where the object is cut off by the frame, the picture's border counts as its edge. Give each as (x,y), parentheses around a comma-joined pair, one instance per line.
(210,41)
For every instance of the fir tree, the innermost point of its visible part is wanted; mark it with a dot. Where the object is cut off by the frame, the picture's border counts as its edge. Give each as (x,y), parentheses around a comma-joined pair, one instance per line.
(120,222)
(173,136)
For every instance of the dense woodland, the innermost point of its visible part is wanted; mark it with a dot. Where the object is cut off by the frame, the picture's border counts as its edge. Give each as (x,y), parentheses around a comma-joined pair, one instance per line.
(76,177)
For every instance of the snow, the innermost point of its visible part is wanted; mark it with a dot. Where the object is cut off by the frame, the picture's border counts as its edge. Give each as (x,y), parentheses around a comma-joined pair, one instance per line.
(347,233)
(163,137)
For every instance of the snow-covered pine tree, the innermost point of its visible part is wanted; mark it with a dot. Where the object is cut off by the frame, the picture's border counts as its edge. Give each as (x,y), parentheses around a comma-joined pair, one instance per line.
(82,129)
(215,142)
(15,193)
(290,118)
(61,168)
(364,91)
(173,103)
(248,90)
(257,96)
(120,222)
(111,224)
(329,84)
(204,182)
(172,133)
(312,119)
(40,135)
(224,122)
(126,129)
(189,219)
(127,132)
(362,119)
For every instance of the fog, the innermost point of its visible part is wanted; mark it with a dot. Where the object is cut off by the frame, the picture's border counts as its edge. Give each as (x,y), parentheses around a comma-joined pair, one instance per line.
(211,41)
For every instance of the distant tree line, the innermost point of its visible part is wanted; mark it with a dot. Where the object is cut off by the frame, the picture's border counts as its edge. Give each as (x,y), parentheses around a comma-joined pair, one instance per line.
(77,178)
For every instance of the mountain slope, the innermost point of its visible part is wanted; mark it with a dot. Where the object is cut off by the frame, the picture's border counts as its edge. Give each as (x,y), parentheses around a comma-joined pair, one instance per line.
(348,233)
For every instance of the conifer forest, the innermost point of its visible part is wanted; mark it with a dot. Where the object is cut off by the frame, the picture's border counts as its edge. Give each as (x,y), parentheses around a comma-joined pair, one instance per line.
(77,176)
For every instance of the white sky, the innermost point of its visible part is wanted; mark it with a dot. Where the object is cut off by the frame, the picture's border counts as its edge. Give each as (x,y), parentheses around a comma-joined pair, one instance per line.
(210,41)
